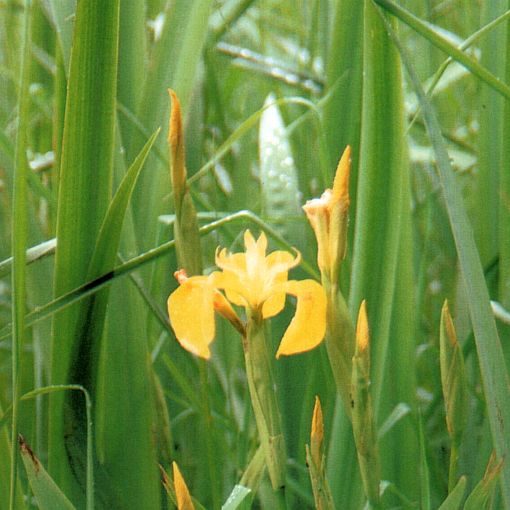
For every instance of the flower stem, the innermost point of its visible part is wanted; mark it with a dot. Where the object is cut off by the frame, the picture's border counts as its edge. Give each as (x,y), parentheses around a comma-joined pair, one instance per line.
(340,340)
(264,401)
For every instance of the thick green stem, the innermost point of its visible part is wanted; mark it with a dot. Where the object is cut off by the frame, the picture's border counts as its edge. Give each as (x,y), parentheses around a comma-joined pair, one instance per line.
(264,400)
(339,340)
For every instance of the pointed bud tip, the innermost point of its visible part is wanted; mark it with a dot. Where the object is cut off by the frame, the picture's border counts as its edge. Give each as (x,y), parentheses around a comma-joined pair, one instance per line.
(362,331)
(447,321)
(317,432)
(175,127)
(341,181)
(182,494)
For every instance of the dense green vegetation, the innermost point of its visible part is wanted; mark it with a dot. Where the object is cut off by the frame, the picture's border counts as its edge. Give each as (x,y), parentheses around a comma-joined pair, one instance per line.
(98,398)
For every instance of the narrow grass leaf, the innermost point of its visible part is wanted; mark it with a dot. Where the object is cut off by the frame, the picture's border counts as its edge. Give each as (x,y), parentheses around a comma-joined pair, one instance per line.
(424,475)
(19,243)
(84,195)
(482,496)
(108,239)
(491,140)
(490,355)
(47,493)
(236,498)
(381,193)
(61,16)
(454,499)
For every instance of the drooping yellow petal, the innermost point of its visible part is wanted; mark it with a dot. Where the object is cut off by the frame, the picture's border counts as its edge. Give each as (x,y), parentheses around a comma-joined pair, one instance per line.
(182,494)
(307,328)
(191,312)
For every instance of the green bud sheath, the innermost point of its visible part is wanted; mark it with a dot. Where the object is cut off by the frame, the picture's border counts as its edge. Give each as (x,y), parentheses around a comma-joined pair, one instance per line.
(453,381)
(316,462)
(187,237)
(365,435)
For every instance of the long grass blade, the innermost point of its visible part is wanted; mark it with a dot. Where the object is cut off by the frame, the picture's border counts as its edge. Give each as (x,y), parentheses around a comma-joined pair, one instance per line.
(84,194)
(19,243)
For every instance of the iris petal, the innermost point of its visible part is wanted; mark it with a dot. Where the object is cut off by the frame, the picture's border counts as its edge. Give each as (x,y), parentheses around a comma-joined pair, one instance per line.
(307,328)
(191,312)
(232,285)
(277,263)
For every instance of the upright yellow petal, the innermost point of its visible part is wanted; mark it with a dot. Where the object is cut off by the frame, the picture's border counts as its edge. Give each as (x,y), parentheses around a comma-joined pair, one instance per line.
(191,312)
(182,494)
(255,255)
(307,328)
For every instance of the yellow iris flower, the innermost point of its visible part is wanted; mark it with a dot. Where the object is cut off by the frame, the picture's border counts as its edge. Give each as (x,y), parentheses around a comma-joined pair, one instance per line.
(258,283)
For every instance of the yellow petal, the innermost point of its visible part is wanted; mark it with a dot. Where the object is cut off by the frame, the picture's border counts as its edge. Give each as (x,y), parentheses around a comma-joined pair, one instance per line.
(231,284)
(235,262)
(255,254)
(278,262)
(307,328)
(182,494)
(191,312)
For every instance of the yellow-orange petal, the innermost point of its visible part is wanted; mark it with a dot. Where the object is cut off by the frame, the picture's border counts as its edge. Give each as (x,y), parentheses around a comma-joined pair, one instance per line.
(235,262)
(231,284)
(182,494)
(278,263)
(191,312)
(307,328)
(255,252)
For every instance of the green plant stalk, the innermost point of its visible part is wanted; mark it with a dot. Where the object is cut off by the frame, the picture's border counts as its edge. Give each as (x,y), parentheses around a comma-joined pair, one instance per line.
(264,401)
(19,243)
(339,339)
(209,432)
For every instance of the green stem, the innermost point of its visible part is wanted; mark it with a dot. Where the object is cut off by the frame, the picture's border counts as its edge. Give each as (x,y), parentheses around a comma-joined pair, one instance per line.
(264,401)
(209,435)
(339,340)
(452,473)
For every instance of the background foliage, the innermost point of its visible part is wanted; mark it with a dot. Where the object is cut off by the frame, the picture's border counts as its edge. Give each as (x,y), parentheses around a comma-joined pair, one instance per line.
(272,92)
